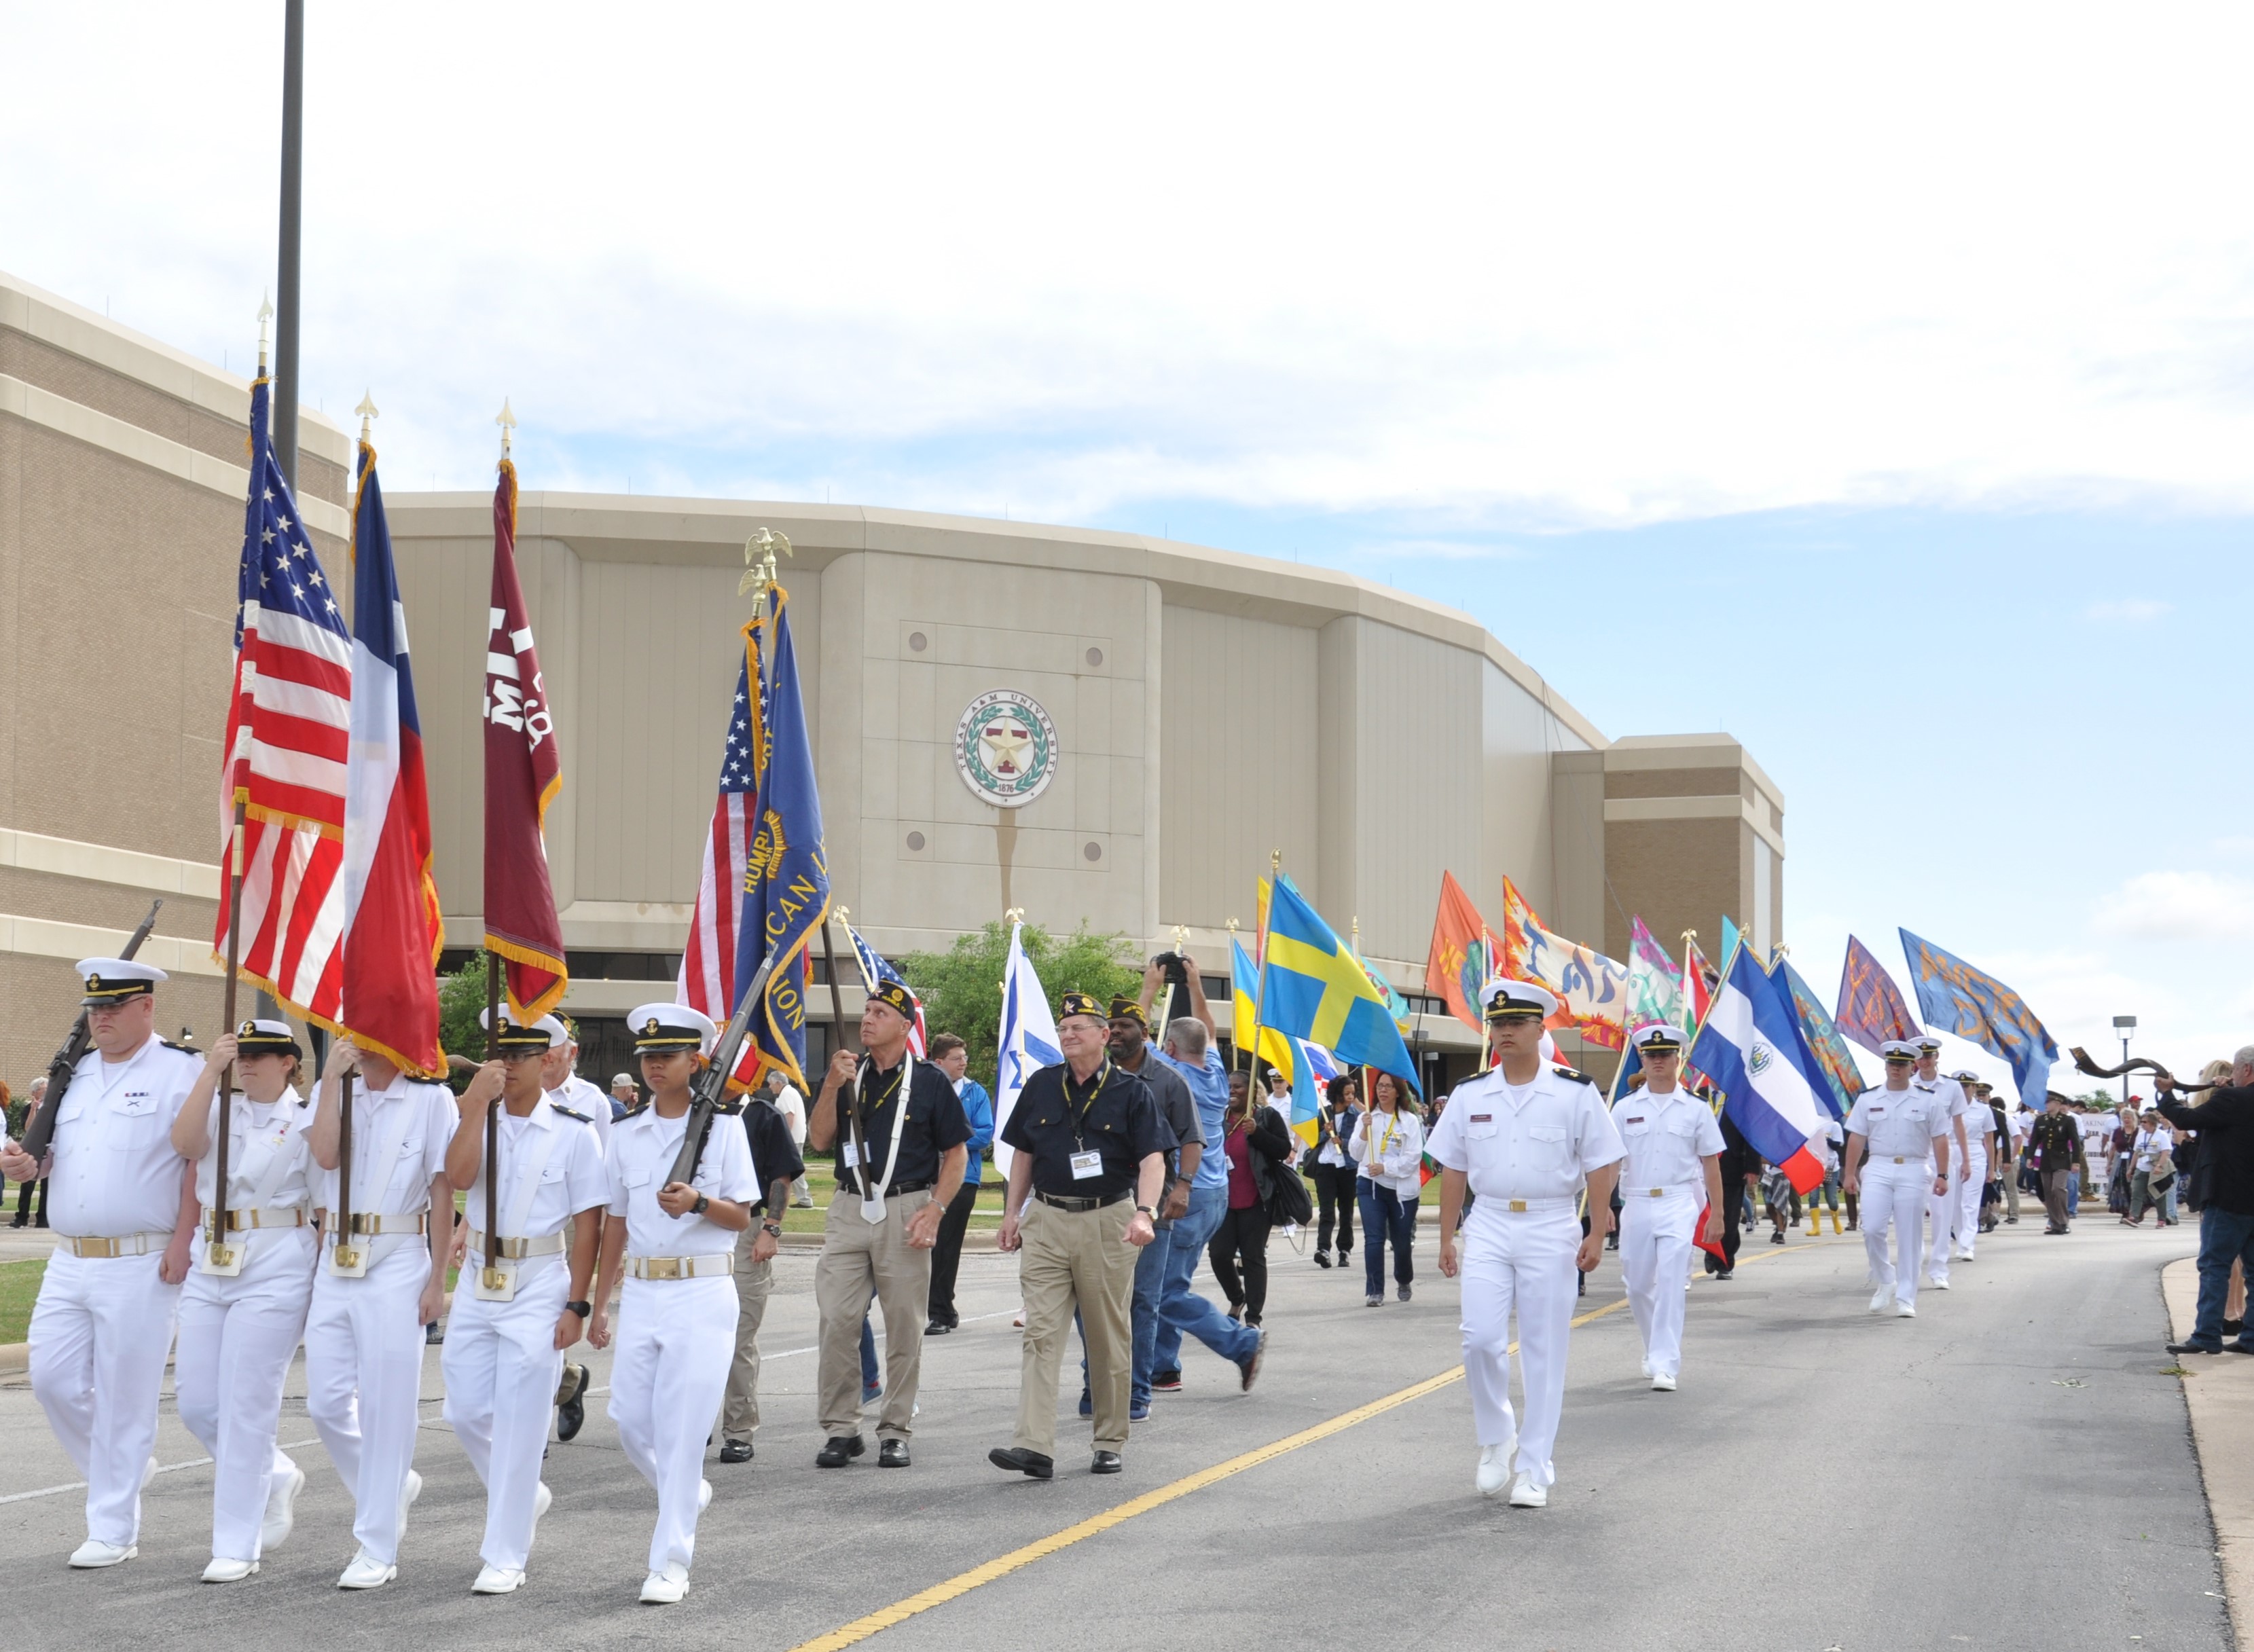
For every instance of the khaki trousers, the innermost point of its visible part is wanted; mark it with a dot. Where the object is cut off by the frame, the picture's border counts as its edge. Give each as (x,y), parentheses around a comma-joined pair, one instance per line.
(858,1257)
(1075,1259)
(740,1410)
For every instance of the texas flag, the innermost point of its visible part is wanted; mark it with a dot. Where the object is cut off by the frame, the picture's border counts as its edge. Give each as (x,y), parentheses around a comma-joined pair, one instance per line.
(392,931)
(1753,1050)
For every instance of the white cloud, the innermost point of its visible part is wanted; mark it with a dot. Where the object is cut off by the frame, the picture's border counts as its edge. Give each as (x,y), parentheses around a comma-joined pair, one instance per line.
(2133,611)
(2179,905)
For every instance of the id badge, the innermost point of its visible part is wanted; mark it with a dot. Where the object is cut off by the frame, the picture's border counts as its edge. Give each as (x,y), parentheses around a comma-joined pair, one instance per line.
(1086,1164)
(846,1156)
(348,1257)
(496,1281)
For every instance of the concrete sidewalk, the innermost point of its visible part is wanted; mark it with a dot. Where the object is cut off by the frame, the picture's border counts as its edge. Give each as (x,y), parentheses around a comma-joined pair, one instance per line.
(2219,1392)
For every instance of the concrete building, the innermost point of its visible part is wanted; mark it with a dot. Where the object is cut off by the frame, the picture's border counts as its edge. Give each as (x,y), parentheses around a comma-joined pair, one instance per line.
(1184,712)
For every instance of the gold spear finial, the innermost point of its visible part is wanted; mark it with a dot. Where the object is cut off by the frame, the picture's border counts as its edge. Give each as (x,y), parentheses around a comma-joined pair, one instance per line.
(368,411)
(507,420)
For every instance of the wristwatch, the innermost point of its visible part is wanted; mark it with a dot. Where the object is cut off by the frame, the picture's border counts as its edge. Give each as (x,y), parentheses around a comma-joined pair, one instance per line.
(1145,1210)
(703,1203)
(584,1310)
(774,1228)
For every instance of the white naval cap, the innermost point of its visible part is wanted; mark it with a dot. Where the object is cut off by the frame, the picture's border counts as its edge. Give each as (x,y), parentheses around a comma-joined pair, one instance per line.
(115,980)
(1928,1043)
(1899,1050)
(1660,1038)
(514,1037)
(558,1034)
(662,1028)
(260,1037)
(1965,1076)
(1503,998)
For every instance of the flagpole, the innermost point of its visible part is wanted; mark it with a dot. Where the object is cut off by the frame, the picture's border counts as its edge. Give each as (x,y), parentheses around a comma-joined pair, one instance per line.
(1260,996)
(494,1281)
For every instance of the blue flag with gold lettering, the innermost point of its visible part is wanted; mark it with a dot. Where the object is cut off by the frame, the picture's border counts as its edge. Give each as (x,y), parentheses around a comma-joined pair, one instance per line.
(1973,1004)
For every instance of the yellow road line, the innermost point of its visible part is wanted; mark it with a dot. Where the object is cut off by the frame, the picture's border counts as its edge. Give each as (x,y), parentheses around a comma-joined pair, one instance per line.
(962,1583)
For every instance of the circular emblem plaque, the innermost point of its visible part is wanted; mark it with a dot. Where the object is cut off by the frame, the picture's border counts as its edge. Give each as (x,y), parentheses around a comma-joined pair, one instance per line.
(1006,748)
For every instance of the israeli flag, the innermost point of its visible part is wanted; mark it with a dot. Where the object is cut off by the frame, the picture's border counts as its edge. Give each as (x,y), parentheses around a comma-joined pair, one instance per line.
(1028,1041)
(1753,1049)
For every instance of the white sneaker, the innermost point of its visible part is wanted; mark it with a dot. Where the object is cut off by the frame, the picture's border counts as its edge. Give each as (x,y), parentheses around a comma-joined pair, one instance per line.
(1494,1470)
(230,1571)
(95,1553)
(1905,1311)
(1963,1256)
(664,1588)
(1882,1298)
(408,1494)
(1524,1494)
(1938,1284)
(1662,1382)
(704,1496)
(281,1510)
(497,1580)
(365,1573)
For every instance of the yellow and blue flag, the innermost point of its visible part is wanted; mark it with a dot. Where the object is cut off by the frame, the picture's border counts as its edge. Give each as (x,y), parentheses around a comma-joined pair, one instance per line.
(1313,987)
(1244,985)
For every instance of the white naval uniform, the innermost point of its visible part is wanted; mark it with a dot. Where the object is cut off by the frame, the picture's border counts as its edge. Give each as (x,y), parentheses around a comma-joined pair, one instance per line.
(1979,1125)
(239,1331)
(676,1338)
(500,1361)
(364,1337)
(103,1324)
(1941,1208)
(1898,1128)
(1526,1151)
(581,1097)
(1662,1184)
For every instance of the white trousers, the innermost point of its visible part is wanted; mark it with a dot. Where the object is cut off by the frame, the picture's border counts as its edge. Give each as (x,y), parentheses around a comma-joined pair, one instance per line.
(1654,1253)
(1521,1262)
(363,1384)
(100,1332)
(1965,1218)
(1895,1196)
(236,1337)
(675,1339)
(503,1369)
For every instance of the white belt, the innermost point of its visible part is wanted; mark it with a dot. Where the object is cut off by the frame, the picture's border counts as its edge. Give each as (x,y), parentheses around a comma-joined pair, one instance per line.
(1520,1207)
(131,1245)
(419,1222)
(1662,1192)
(549,1244)
(682,1267)
(269,1216)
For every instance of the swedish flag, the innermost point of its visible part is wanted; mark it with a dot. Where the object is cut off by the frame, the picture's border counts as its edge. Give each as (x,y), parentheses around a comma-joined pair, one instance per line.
(1313,988)
(1244,984)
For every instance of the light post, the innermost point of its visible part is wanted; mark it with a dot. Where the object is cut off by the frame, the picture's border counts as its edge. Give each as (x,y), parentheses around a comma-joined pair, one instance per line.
(2126,1027)
(1416,1037)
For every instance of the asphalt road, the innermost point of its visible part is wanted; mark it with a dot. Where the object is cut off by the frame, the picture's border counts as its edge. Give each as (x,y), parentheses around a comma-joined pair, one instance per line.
(2012,1469)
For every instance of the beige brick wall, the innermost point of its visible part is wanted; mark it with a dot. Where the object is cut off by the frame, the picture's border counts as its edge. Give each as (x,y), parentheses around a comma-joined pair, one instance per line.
(1677,875)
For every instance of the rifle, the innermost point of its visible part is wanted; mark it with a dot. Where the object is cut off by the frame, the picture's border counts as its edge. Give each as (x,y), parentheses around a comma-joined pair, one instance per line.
(2136,1064)
(708,1091)
(40,1132)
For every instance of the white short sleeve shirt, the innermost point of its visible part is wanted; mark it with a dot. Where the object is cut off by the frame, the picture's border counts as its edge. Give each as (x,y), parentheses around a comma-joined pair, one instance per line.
(1900,1124)
(268,1149)
(1532,1141)
(115,1172)
(565,1157)
(643,1147)
(1665,1138)
(420,1117)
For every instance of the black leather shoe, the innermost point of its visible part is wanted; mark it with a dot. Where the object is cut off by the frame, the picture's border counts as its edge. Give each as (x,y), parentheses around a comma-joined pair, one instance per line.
(571,1413)
(1322,1257)
(1032,1465)
(736,1450)
(938,1327)
(2232,1327)
(1105,1463)
(893,1454)
(839,1449)
(2192,1348)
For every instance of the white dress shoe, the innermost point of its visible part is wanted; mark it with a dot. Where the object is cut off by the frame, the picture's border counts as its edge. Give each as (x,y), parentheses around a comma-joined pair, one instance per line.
(497,1580)
(1905,1311)
(230,1571)
(281,1508)
(664,1588)
(1662,1381)
(408,1492)
(704,1496)
(1524,1494)
(365,1573)
(94,1553)
(1494,1470)
(1938,1284)
(1882,1298)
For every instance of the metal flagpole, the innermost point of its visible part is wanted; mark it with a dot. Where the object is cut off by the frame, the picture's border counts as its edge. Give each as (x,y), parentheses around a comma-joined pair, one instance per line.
(492,1279)
(1260,997)
(286,284)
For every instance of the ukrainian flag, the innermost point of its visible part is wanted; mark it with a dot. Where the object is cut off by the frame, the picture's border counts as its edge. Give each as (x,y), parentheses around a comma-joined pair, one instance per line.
(1244,980)
(1313,988)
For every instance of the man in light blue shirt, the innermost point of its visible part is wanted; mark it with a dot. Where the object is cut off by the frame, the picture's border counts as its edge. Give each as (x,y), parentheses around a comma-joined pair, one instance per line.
(1189,1051)
(951,1057)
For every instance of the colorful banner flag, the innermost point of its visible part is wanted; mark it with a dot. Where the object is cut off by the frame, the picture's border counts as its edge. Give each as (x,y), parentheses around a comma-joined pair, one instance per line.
(1752,1048)
(1462,957)
(1310,988)
(523,775)
(393,932)
(1974,1005)
(1872,1009)
(1027,1041)
(1845,1079)
(1698,981)
(1395,1006)
(1592,990)
(1655,990)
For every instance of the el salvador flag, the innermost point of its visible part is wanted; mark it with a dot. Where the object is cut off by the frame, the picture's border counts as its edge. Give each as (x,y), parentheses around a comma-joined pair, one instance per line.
(1753,1050)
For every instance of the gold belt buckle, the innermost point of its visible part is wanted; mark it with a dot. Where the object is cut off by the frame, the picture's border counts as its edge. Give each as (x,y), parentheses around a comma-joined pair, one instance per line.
(1659,1192)
(665,1268)
(1518,1204)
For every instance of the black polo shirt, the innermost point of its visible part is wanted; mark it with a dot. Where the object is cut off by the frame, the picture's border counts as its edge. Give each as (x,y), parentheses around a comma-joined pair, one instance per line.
(774,1156)
(936,1122)
(1120,1121)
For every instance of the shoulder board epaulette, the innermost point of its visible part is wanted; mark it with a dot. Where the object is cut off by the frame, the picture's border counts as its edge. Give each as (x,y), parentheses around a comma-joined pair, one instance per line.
(1575,1074)
(636,1110)
(570,1112)
(729,1106)
(185,1049)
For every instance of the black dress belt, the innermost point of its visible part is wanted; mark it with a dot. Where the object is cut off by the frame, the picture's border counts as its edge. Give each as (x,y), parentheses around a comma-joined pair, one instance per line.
(892,1192)
(1077,1202)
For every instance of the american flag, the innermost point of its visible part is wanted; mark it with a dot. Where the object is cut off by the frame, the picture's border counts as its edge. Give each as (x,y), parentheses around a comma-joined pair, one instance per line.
(876,969)
(708,965)
(287,737)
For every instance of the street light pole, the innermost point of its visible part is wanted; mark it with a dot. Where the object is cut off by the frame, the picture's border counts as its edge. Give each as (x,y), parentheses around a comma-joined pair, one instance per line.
(2126,1027)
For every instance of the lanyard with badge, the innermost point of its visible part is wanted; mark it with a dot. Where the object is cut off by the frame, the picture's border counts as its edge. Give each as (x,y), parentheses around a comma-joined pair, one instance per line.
(1086,1161)
(872,1194)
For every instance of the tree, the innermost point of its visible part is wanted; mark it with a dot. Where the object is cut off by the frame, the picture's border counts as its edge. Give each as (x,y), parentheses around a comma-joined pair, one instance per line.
(461,1000)
(961,987)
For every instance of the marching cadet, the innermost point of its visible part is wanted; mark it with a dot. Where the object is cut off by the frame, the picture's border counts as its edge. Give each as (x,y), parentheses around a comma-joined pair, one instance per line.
(902,1147)
(1087,1141)
(1674,1159)
(1906,1128)
(576,1099)
(776,1167)
(122,1209)
(1941,1207)
(381,1278)
(675,1245)
(1977,1146)
(242,1314)
(1523,1137)
(515,1315)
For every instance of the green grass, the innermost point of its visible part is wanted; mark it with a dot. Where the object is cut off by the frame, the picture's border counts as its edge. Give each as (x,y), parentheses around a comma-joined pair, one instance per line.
(19,1288)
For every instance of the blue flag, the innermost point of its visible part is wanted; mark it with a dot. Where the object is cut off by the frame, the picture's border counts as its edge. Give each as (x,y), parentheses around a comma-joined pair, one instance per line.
(1973,1004)
(1752,1048)
(1313,988)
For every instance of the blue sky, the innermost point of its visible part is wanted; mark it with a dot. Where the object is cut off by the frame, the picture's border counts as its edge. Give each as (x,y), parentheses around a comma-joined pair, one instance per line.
(1874,387)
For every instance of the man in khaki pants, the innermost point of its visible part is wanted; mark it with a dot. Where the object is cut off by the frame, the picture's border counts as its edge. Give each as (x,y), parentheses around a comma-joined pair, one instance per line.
(776,1165)
(1088,1141)
(900,1135)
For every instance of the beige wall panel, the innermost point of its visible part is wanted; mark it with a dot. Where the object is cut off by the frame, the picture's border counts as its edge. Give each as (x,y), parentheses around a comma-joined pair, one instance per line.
(1577,901)
(445,585)
(1519,738)
(1679,875)
(1338,757)
(1419,805)
(1238,770)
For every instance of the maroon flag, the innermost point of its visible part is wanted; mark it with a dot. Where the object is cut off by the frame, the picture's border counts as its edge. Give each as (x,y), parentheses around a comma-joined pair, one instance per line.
(523,774)
(1872,1009)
